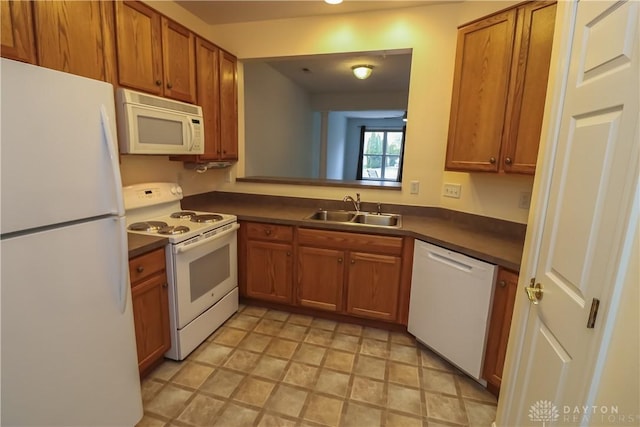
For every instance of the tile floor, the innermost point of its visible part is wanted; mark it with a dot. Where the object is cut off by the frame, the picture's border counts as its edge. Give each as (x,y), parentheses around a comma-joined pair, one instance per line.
(272,368)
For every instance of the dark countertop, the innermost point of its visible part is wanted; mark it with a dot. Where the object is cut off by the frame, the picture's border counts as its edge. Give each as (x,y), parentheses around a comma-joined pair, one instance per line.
(140,244)
(494,241)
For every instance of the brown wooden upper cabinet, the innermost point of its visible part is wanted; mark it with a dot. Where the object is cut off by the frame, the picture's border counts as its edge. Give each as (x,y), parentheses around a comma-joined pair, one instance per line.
(499,89)
(17,31)
(155,54)
(85,49)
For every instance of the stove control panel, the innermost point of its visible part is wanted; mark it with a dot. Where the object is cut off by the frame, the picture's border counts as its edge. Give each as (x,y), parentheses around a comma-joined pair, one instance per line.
(149,194)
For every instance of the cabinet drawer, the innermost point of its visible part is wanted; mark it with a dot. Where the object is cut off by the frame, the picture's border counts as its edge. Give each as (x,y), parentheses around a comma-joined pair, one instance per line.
(146,265)
(260,231)
(351,241)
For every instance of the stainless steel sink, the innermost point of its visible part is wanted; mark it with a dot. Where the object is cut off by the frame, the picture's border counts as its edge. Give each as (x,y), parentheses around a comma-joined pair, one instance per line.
(357,218)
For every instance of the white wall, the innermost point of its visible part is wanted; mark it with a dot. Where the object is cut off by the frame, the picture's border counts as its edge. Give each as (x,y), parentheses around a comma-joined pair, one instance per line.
(336,143)
(431,32)
(279,140)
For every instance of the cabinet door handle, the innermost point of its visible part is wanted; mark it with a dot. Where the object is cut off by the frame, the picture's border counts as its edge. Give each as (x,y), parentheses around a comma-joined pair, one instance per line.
(339,259)
(353,261)
(267,232)
(140,269)
(169,86)
(158,82)
(502,283)
(508,160)
(492,160)
(165,285)
(288,253)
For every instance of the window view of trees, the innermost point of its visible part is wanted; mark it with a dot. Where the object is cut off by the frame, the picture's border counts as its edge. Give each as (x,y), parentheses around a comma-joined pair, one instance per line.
(381,155)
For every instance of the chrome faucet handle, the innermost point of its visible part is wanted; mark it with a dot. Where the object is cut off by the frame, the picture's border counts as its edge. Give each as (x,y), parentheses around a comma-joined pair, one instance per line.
(379,209)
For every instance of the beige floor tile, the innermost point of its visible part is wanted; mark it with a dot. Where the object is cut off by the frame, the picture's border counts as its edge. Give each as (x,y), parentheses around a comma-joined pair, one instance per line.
(368,390)
(280,316)
(339,360)
(376,334)
(254,311)
(192,375)
(201,411)
(438,381)
(149,389)
(332,382)
(213,353)
(169,402)
(398,420)
(222,382)
(319,337)
(301,375)
(230,336)
(404,399)
(370,367)
(166,370)
(358,415)
(403,338)
(242,360)
(149,421)
(328,325)
(402,353)
(293,332)
(348,343)
(282,348)
(255,342)
(431,360)
(300,319)
(287,400)
(472,390)
(243,321)
(373,347)
(445,408)
(309,353)
(270,420)
(349,329)
(270,367)
(269,327)
(404,374)
(479,414)
(324,410)
(236,416)
(254,391)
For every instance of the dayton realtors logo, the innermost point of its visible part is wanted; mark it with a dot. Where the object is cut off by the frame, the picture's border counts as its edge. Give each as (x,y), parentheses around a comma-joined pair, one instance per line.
(543,411)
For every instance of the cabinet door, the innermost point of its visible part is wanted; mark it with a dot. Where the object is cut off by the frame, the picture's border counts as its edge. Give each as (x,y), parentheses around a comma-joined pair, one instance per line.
(207,72)
(84,49)
(530,73)
(138,46)
(269,271)
(228,106)
(503,301)
(17,31)
(179,61)
(151,319)
(480,88)
(373,285)
(320,278)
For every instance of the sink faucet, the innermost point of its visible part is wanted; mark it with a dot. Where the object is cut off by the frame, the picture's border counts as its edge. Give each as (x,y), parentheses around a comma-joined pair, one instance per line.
(356,202)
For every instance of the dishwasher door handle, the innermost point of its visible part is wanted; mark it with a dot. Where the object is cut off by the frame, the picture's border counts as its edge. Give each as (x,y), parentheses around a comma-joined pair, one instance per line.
(450,262)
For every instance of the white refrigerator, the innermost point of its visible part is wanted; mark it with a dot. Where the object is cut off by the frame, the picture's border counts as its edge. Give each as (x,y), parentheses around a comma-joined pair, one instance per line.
(68,351)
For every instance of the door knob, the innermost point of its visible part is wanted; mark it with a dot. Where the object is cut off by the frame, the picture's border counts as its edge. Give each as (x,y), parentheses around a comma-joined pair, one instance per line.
(534,293)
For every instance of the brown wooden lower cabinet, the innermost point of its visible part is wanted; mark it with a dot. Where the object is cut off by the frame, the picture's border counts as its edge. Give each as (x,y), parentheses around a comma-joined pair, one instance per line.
(150,300)
(503,301)
(320,278)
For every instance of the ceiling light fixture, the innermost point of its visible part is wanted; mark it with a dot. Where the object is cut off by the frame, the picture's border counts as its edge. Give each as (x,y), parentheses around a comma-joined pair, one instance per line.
(362,71)
(333,1)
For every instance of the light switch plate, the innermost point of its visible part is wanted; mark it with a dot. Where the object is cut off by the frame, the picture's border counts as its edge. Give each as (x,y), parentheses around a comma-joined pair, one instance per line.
(452,190)
(415,187)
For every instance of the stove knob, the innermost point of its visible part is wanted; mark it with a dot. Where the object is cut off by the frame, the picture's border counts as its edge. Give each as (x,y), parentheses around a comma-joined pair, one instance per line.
(179,189)
(174,190)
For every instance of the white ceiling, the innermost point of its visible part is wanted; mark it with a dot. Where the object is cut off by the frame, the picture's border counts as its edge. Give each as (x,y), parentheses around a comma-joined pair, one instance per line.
(225,12)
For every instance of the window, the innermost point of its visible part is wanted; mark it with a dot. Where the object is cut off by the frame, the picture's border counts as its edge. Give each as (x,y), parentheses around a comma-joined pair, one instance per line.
(381,154)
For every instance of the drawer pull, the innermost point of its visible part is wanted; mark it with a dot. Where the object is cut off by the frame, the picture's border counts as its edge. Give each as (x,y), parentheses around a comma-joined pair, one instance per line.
(140,269)
(165,285)
(503,283)
(268,232)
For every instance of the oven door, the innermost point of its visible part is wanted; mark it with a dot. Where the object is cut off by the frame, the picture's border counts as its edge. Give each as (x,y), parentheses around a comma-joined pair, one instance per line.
(204,272)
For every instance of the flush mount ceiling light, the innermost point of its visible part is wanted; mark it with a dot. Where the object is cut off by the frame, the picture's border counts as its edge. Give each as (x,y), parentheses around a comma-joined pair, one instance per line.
(333,1)
(362,71)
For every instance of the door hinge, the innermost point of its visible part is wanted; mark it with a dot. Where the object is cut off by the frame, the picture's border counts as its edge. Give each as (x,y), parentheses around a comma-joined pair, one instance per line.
(593,313)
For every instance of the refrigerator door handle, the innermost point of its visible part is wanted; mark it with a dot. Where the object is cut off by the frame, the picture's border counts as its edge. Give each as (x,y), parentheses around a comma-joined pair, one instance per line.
(113,159)
(123,265)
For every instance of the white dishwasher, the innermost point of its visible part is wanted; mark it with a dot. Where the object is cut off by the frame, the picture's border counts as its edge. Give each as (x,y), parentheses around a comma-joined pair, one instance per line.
(450,305)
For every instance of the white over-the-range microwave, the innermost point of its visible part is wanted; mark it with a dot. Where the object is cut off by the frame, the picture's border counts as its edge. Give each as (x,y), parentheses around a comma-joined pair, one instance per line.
(150,124)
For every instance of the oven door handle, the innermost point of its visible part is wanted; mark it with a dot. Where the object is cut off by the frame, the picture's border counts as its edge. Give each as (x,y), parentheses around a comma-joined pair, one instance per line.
(185,248)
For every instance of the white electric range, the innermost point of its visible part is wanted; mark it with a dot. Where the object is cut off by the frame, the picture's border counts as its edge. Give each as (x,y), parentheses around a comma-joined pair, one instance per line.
(201,260)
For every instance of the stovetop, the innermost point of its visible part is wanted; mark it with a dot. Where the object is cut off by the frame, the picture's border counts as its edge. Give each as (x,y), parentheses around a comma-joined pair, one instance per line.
(154,209)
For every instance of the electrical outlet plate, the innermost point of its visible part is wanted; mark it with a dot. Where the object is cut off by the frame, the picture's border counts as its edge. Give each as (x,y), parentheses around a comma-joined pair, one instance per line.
(415,187)
(452,190)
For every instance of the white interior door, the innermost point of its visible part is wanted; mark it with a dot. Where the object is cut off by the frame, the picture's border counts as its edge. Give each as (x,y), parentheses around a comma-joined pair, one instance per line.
(589,209)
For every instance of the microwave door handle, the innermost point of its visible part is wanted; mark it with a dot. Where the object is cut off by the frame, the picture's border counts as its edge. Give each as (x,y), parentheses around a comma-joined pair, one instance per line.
(191,135)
